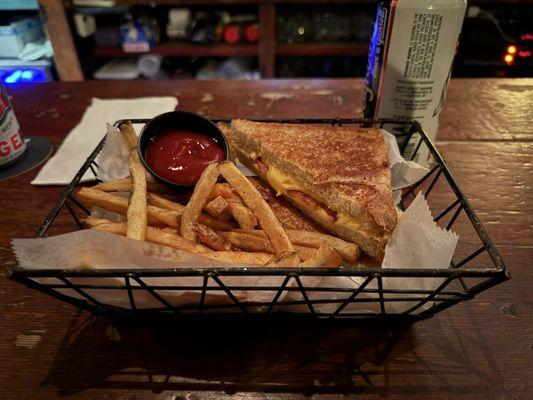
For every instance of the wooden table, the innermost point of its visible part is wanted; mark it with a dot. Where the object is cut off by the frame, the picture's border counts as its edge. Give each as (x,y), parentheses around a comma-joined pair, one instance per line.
(482,349)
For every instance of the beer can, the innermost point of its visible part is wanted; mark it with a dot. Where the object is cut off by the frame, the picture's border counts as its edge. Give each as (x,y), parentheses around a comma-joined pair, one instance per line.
(409,63)
(12,144)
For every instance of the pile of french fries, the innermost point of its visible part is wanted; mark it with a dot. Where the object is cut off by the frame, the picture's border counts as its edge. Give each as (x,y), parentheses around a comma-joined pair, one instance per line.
(229,221)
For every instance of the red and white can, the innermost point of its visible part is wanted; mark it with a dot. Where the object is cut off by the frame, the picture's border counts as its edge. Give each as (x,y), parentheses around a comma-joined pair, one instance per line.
(12,145)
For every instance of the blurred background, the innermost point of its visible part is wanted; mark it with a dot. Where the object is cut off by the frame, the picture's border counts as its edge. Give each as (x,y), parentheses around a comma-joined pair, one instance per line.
(43,40)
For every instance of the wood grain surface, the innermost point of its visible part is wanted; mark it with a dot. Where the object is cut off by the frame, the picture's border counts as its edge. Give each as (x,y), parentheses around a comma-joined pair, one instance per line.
(480,109)
(481,349)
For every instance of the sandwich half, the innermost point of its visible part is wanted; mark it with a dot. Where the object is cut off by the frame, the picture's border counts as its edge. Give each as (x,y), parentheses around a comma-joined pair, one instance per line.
(338,176)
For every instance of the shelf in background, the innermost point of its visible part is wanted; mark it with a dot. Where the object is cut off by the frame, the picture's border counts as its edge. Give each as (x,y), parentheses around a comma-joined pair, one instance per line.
(322,49)
(181,49)
(236,2)
(327,2)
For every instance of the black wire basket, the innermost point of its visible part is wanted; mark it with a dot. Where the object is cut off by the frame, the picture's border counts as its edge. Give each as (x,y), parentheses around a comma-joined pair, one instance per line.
(476,265)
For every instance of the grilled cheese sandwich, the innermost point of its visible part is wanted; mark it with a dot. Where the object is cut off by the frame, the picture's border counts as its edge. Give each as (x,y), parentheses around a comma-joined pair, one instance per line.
(354,203)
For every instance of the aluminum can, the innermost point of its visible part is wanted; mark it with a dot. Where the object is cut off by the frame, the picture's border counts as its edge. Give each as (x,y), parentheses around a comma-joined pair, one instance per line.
(12,144)
(409,63)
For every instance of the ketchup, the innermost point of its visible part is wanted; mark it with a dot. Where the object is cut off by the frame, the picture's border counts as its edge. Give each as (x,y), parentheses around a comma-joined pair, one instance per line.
(182,156)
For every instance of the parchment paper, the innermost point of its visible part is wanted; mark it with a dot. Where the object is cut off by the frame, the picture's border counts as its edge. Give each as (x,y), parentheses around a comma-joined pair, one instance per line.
(103,250)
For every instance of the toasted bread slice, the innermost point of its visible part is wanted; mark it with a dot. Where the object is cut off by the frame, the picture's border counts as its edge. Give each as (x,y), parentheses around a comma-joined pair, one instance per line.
(338,176)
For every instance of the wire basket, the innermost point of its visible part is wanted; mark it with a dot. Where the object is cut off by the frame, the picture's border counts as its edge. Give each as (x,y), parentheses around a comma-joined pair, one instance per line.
(476,264)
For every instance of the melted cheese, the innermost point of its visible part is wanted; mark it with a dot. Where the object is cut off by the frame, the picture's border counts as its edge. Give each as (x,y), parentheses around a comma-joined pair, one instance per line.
(282,183)
(354,224)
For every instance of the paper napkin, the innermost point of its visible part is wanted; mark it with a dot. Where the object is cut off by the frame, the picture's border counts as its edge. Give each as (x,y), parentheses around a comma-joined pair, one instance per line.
(82,140)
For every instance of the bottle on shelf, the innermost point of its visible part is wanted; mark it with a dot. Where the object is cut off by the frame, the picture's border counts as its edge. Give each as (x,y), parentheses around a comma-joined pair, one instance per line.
(241,29)
(232,33)
(251,32)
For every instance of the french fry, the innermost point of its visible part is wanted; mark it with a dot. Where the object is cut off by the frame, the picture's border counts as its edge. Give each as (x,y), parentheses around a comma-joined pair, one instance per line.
(224,190)
(253,200)
(242,214)
(157,236)
(210,238)
(349,251)
(255,232)
(160,201)
(91,222)
(118,228)
(325,256)
(218,208)
(137,219)
(153,235)
(124,185)
(304,252)
(116,185)
(129,134)
(91,197)
(193,209)
(248,242)
(214,223)
(285,259)
(159,216)
(240,257)
(205,219)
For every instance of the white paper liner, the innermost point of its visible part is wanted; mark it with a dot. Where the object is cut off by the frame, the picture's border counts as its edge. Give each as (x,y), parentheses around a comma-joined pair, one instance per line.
(103,250)
(417,242)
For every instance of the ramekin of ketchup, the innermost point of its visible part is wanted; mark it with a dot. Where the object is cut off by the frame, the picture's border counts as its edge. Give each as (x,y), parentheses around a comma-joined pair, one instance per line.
(177,146)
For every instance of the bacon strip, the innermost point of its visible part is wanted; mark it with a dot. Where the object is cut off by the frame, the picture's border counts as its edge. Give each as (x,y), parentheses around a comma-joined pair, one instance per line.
(306,201)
